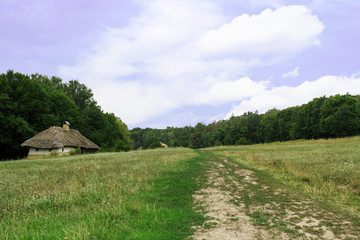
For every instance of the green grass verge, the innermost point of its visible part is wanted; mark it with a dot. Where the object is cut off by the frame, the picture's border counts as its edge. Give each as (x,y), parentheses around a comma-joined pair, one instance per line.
(136,195)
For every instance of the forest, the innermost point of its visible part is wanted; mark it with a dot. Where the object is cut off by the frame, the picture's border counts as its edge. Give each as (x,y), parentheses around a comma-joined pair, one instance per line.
(325,117)
(31,104)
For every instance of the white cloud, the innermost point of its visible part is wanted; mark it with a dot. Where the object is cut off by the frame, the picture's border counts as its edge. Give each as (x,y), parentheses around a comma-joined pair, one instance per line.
(272,34)
(230,91)
(135,103)
(158,42)
(174,54)
(292,74)
(283,97)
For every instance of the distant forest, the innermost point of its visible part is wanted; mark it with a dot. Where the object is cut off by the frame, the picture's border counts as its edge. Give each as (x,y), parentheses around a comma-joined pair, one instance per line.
(332,117)
(31,104)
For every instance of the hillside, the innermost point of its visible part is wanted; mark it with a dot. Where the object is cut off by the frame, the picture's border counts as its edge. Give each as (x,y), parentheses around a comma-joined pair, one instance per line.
(299,189)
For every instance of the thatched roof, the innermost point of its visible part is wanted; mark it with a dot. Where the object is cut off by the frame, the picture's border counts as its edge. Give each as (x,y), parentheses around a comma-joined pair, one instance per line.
(57,137)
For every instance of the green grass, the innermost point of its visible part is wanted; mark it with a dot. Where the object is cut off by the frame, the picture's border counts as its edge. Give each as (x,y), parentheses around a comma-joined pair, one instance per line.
(325,170)
(136,195)
(148,194)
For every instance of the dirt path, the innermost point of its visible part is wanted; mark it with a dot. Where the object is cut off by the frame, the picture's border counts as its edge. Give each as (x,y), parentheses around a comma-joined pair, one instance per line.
(238,204)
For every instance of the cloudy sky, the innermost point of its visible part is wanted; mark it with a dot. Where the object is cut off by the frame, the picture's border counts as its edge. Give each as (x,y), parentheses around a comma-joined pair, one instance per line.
(158,63)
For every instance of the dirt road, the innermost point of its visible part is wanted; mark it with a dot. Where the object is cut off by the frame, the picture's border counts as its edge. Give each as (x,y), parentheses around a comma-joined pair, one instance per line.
(239,203)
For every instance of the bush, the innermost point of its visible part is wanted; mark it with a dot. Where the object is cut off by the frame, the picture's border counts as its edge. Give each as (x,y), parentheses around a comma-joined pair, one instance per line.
(242,141)
(76,151)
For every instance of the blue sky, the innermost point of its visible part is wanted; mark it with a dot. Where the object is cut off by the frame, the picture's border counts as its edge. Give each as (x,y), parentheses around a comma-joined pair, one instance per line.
(179,62)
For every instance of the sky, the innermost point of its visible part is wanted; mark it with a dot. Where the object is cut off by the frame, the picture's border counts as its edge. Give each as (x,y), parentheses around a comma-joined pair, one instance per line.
(159,63)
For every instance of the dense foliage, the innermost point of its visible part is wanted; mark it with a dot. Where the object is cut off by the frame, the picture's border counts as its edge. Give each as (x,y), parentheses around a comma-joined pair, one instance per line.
(332,117)
(31,104)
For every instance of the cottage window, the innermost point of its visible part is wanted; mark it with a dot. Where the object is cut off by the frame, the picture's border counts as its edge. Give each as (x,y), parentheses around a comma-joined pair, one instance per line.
(37,149)
(49,149)
(62,149)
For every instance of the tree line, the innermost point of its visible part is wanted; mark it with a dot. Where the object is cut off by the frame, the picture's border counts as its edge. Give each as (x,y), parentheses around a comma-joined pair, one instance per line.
(31,104)
(324,117)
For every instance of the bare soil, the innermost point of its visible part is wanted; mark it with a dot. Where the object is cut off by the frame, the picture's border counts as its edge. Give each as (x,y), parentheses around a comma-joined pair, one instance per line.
(238,204)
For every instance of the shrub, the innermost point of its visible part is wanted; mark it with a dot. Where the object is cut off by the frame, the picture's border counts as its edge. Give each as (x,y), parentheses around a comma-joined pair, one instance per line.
(75,151)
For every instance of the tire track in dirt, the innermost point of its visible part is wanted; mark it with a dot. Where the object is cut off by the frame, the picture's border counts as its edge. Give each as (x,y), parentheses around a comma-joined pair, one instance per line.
(225,219)
(237,205)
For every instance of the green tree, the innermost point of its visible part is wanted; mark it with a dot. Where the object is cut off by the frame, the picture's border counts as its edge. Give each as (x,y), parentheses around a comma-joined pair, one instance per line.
(13,130)
(268,126)
(200,138)
(32,104)
(228,140)
(80,94)
(340,116)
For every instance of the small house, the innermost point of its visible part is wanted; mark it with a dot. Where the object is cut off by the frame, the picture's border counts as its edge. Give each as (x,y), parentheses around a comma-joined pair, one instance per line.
(58,140)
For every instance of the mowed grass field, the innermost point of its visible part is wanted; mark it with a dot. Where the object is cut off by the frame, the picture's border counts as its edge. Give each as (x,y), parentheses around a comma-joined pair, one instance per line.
(325,170)
(148,194)
(135,195)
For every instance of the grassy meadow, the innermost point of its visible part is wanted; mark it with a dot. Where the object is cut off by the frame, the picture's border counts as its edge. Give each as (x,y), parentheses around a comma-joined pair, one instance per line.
(325,170)
(148,194)
(136,195)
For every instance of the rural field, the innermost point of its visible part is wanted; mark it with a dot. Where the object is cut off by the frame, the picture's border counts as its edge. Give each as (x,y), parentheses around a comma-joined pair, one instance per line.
(288,190)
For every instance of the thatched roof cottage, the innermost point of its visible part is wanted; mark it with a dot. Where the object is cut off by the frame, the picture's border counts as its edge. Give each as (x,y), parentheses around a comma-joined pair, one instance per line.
(59,141)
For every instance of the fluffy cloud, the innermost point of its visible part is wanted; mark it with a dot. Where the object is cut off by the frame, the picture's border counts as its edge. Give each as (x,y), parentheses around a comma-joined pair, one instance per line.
(292,74)
(176,53)
(230,91)
(279,33)
(156,45)
(134,102)
(283,97)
